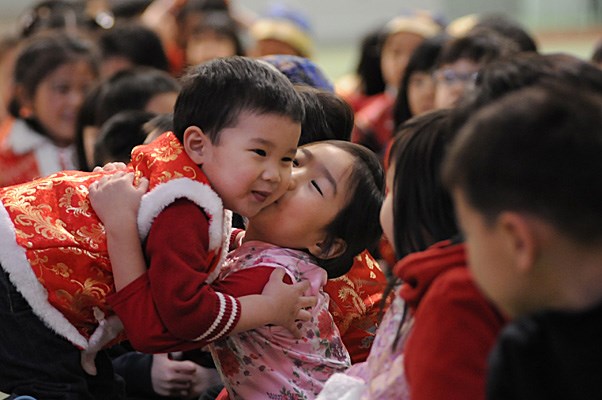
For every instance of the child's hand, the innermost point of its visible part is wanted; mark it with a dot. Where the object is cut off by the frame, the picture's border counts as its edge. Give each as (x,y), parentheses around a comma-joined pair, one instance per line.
(115,199)
(112,166)
(289,301)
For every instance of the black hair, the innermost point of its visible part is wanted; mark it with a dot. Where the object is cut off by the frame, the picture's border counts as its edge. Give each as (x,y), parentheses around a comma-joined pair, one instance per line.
(509,28)
(368,67)
(214,94)
(522,70)
(157,126)
(222,23)
(537,151)
(201,6)
(423,59)
(357,223)
(131,89)
(480,46)
(327,116)
(423,212)
(597,53)
(53,14)
(129,9)
(86,117)
(119,135)
(135,42)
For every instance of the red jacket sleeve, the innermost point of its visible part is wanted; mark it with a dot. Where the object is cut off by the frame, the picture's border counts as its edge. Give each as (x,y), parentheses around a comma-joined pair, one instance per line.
(455,328)
(172,305)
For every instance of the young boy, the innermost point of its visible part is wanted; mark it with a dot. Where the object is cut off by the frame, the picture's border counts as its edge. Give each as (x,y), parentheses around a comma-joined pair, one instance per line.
(236,127)
(525,173)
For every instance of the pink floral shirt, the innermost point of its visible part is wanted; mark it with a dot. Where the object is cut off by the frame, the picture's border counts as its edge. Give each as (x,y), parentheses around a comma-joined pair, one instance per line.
(269,363)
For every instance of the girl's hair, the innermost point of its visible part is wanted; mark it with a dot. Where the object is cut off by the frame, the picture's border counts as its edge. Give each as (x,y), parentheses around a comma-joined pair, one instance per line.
(368,67)
(357,223)
(423,59)
(423,212)
(86,117)
(327,116)
(43,54)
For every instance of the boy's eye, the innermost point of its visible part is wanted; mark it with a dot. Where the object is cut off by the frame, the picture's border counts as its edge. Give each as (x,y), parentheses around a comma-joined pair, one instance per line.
(288,160)
(260,152)
(315,184)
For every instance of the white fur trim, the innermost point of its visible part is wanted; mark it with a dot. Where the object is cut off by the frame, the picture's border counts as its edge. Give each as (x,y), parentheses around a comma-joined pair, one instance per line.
(224,251)
(166,193)
(14,261)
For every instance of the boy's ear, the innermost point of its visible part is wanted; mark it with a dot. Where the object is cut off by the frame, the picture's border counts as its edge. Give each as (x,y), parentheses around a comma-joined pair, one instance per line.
(521,239)
(196,144)
(337,248)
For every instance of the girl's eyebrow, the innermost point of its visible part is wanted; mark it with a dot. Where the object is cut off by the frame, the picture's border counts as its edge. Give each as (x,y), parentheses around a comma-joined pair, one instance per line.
(310,156)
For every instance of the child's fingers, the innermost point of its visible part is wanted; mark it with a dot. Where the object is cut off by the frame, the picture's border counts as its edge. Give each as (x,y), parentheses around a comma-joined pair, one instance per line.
(277,275)
(143,184)
(307,301)
(303,315)
(110,167)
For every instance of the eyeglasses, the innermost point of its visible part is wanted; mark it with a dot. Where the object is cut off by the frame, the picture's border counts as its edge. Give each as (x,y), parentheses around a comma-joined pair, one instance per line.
(451,77)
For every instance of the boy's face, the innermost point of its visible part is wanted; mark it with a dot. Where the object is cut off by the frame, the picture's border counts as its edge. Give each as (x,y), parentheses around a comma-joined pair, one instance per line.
(491,255)
(250,166)
(317,193)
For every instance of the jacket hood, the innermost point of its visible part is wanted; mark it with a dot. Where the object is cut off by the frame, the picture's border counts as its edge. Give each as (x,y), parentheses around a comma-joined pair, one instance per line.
(417,271)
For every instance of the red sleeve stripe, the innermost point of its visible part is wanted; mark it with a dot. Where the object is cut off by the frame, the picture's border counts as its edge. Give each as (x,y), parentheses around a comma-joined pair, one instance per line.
(234,309)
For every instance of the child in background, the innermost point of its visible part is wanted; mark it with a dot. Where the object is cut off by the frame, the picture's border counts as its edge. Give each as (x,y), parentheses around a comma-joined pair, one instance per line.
(216,35)
(416,94)
(60,281)
(52,75)
(119,135)
(313,232)
(524,173)
(462,58)
(125,46)
(158,125)
(434,340)
(400,37)
(138,88)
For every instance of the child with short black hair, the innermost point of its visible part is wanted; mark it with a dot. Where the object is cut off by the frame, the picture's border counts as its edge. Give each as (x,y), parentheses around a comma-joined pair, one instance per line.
(525,174)
(237,126)
(313,231)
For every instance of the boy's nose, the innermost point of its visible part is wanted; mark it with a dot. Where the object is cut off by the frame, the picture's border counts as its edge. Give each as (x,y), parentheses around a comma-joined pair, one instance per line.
(272,173)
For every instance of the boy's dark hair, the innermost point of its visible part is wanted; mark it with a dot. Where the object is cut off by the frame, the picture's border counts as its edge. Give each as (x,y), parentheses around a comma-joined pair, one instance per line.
(135,42)
(119,135)
(537,151)
(327,116)
(132,89)
(423,59)
(357,223)
(43,54)
(214,94)
(423,212)
(478,45)
(510,28)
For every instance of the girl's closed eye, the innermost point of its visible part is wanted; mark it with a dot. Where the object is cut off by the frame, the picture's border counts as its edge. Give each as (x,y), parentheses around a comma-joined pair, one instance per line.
(315,185)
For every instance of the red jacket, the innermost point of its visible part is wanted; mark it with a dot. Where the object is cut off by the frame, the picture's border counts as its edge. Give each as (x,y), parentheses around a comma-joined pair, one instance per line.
(455,326)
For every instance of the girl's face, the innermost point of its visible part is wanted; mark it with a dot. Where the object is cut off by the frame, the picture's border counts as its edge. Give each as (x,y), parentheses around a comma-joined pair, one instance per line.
(317,193)
(386,211)
(58,97)
(452,80)
(421,92)
(396,53)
